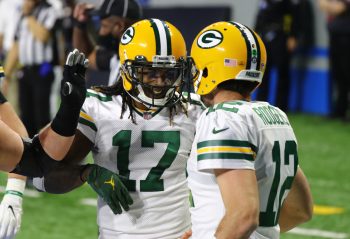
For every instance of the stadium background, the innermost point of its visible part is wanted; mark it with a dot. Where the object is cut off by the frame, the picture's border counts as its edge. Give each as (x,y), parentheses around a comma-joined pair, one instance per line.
(323,143)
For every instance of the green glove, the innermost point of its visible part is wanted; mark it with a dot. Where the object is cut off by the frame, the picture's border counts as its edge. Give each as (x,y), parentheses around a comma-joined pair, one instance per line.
(109,186)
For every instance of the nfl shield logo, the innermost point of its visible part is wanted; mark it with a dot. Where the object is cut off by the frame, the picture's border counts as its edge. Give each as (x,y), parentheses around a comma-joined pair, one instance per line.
(147,115)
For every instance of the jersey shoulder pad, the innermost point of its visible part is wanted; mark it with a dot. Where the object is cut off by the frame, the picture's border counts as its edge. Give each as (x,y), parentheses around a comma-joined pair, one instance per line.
(229,106)
(98,95)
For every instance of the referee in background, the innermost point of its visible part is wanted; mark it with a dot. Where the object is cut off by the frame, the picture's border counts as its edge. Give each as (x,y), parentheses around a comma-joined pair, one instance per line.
(279,25)
(33,47)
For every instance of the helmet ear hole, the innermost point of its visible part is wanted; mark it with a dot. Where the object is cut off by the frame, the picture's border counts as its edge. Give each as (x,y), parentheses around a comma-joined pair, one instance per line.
(205,72)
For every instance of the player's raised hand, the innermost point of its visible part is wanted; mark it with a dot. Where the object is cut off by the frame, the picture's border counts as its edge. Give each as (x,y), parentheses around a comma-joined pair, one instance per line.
(73,87)
(110,188)
(73,92)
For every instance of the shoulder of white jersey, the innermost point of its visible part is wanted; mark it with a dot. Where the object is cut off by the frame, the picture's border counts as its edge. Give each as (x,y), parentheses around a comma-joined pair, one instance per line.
(98,95)
(90,111)
(193,99)
(228,106)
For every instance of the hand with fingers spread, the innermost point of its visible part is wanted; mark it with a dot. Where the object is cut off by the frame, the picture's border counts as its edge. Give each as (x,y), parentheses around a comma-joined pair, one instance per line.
(73,87)
(110,188)
(73,92)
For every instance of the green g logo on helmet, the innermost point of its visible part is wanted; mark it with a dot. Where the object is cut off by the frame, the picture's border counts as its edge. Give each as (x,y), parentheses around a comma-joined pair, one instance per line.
(209,39)
(127,36)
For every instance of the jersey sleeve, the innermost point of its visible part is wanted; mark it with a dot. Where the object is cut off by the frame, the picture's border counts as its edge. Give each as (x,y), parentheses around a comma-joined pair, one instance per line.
(223,142)
(87,119)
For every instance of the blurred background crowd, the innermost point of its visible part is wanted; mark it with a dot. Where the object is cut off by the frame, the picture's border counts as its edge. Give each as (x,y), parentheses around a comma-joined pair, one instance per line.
(307,43)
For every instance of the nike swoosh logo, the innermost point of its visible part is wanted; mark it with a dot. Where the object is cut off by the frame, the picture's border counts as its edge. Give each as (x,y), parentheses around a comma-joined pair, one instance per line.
(219,130)
(11,208)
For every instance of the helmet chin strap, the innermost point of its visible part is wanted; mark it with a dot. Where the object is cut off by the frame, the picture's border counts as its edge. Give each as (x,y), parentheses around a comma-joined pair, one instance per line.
(157,102)
(139,101)
(199,78)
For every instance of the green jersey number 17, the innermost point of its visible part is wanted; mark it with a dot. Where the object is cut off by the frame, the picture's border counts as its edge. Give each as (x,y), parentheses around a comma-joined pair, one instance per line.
(153,181)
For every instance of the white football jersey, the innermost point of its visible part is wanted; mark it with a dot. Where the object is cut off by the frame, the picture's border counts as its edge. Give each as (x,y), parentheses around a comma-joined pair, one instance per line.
(152,156)
(241,135)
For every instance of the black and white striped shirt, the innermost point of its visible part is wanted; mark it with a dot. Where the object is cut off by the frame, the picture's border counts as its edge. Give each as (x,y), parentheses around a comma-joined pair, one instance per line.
(31,50)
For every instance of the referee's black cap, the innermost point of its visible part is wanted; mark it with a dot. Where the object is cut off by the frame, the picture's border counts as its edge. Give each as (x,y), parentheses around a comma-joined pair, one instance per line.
(122,8)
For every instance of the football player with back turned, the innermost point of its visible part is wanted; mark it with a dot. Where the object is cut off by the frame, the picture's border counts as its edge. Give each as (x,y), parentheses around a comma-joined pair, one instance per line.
(243,171)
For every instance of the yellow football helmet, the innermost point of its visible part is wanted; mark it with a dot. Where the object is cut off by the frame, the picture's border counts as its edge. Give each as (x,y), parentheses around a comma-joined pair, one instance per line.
(146,48)
(224,51)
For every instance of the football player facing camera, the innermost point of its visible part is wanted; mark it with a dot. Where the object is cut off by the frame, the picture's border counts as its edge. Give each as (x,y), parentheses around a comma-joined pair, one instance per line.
(142,129)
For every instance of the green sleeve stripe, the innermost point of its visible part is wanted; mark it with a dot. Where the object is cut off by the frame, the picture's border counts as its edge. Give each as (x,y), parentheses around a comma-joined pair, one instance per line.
(248,157)
(88,123)
(234,143)
(104,98)
(12,192)
(191,199)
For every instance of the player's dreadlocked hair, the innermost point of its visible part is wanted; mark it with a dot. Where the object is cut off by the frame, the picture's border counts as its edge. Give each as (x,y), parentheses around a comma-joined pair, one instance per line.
(118,89)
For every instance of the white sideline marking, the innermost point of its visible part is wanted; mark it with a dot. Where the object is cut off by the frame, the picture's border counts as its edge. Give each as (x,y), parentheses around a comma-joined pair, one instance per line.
(89,202)
(318,233)
(27,192)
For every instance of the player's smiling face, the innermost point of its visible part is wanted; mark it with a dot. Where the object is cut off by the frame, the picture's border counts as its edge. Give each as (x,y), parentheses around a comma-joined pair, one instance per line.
(158,81)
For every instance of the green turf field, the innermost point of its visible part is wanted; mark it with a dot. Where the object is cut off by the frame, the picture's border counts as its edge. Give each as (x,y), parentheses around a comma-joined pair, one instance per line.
(323,155)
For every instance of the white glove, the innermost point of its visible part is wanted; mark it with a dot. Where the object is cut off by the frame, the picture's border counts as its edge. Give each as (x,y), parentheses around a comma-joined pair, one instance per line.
(11,209)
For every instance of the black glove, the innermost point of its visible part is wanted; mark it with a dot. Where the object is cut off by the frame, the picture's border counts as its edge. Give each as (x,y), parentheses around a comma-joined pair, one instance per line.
(110,188)
(73,92)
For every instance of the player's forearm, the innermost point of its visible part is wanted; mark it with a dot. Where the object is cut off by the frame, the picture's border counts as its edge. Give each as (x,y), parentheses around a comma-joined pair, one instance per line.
(54,144)
(239,192)
(9,117)
(237,225)
(292,216)
(298,206)
(11,148)
(64,179)
(38,30)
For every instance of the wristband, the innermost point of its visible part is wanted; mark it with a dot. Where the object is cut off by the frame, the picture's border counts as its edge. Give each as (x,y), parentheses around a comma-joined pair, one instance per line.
(15,186)
(65,121)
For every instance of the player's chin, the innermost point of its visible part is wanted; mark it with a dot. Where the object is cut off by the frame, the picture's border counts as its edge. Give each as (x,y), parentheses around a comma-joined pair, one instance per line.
(157,94)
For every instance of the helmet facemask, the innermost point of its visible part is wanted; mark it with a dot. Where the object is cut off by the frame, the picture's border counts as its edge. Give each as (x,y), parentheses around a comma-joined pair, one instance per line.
(155,84)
